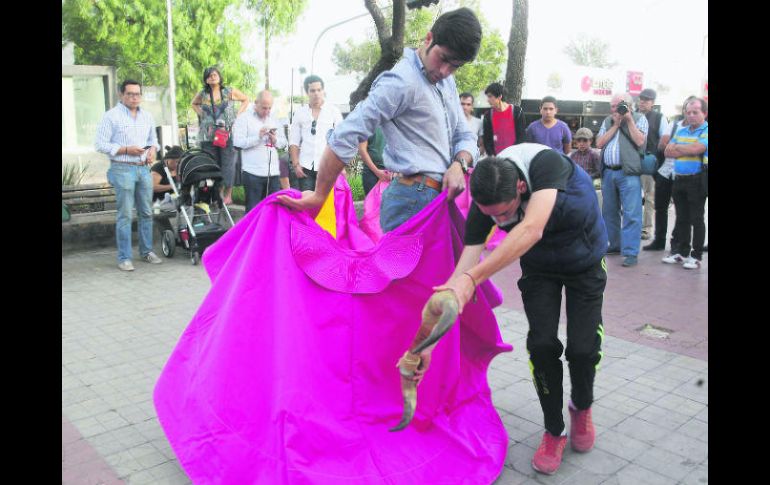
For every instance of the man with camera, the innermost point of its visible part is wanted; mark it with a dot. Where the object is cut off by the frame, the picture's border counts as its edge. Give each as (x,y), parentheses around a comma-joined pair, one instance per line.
(622,140)
(258,135)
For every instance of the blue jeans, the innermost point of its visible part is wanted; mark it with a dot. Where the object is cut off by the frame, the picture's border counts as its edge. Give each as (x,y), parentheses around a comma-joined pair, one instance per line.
(400,202)
(622,194)
(256,188)
(133,187)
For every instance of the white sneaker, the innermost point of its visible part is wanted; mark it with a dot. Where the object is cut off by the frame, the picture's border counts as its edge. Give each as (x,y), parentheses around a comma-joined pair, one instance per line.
(691,263)
(151,258)
(673,259)
(126,265)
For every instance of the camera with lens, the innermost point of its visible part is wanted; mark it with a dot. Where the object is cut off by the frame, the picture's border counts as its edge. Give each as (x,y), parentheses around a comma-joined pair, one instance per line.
(622,108)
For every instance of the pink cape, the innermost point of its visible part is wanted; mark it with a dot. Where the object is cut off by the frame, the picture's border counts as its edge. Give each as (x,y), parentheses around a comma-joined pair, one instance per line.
(287,372)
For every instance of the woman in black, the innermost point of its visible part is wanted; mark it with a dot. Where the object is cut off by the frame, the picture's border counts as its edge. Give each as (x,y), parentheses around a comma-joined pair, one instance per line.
(160,183)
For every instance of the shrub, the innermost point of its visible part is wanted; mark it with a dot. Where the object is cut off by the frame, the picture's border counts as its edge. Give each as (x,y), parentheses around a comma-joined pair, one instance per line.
(356,186)
(72,174)
(239,196)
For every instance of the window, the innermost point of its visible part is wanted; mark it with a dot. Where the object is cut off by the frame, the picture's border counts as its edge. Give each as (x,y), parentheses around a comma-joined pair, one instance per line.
(84,102)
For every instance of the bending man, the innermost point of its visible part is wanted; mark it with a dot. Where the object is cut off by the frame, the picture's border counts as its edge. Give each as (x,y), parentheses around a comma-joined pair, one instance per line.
(547,205)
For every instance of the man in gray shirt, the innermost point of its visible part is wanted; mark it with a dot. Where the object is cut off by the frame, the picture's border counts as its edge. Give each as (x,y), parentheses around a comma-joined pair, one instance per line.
(417,105)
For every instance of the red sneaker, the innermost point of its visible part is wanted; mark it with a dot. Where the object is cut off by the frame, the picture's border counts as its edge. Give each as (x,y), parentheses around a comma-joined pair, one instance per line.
(581,432)
(548,456)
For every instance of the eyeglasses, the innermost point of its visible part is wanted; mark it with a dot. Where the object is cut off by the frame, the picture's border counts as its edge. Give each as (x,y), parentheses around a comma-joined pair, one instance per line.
(312,127)
(132,95)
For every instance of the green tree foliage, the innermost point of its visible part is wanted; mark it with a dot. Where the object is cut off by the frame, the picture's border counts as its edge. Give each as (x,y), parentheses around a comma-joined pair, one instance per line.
(589,51)
(276,17)
(131,35)
(359,58)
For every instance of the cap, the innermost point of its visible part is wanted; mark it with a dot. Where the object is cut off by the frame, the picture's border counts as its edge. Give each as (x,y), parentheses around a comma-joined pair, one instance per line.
(648,94)
(220,122)
(584,133)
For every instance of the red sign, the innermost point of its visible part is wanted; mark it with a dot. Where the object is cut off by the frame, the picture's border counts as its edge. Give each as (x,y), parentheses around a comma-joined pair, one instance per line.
(585,84)
(601,87)
(634,82)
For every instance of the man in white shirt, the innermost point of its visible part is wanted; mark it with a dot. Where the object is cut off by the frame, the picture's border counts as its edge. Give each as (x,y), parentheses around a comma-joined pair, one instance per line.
(466,101)
(258,135)
(307,135)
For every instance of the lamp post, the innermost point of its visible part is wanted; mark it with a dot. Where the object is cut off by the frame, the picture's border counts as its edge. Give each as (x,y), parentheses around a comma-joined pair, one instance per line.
(171,79)
(312,56)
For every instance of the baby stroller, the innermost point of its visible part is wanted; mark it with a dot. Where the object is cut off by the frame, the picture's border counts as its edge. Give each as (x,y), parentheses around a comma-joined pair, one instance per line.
(199,204)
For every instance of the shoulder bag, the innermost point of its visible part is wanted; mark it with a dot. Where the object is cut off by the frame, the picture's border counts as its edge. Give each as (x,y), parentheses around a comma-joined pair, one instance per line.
(221,135)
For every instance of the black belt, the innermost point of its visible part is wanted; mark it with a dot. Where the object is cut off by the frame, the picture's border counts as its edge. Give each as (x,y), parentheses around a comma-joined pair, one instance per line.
(129,163)
(614,167)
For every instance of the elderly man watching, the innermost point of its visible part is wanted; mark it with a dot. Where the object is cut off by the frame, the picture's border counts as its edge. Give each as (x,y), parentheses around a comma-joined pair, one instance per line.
(258,134)
(622,140)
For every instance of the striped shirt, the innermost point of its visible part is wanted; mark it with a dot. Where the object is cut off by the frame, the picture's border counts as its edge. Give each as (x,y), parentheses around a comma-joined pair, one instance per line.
(119,129)
(612,149)
(691,164)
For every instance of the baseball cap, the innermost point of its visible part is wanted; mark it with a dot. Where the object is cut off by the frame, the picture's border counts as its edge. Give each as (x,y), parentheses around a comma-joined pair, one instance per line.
(584,133)
(648,94)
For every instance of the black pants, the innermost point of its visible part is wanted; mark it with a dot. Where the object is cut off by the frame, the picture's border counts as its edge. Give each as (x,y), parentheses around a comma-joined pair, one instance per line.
(690,205)
(256,188)
(369,179)
(663,187)
(541,293)
(307,183)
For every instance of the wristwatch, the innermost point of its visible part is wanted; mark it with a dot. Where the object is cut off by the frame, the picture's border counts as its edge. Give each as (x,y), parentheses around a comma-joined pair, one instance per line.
(462,162)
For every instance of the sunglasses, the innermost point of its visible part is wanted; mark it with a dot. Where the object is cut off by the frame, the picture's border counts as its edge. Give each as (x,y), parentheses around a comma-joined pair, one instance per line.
(312,128)
(581,139)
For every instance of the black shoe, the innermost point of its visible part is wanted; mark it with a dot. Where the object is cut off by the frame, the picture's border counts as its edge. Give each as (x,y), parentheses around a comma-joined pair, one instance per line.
(706,248)
(655,245)
(613,250)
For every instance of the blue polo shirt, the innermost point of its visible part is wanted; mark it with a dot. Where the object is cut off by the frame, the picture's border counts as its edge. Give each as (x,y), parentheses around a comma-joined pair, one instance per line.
(691,165)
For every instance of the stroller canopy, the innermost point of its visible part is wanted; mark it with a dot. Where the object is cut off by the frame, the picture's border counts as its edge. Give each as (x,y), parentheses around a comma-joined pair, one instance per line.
(197,165)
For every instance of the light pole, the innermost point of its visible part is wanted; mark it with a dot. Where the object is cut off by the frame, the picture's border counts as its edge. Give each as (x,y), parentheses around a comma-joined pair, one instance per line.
(312,56)
(171,79)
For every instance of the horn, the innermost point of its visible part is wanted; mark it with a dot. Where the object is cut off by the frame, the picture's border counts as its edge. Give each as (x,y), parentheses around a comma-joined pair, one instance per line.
(438,316)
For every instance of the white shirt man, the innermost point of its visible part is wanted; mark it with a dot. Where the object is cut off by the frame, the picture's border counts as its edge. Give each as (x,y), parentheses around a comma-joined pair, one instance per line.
(258,134)
(307,134)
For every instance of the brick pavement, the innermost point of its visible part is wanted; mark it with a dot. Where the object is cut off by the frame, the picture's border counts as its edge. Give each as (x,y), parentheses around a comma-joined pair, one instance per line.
(119,328)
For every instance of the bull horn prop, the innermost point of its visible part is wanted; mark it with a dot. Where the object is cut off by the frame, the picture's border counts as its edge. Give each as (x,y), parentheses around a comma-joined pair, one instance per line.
(438,316)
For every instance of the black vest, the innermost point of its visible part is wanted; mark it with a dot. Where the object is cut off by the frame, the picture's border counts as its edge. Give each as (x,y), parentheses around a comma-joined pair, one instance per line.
(575,237)
(653,133)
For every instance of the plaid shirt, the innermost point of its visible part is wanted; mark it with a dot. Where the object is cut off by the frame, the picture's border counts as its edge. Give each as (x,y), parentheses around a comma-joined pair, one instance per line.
(589,161)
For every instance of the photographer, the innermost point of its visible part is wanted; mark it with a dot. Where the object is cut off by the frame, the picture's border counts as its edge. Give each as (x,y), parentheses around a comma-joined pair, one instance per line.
(257,134)
(622,140)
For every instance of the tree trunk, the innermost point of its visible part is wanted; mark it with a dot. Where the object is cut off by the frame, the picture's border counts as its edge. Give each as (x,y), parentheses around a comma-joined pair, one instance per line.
(517,51)
(391,46)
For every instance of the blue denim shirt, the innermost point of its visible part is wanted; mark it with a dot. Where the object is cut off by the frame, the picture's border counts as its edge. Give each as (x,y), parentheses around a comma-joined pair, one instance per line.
(423,123)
